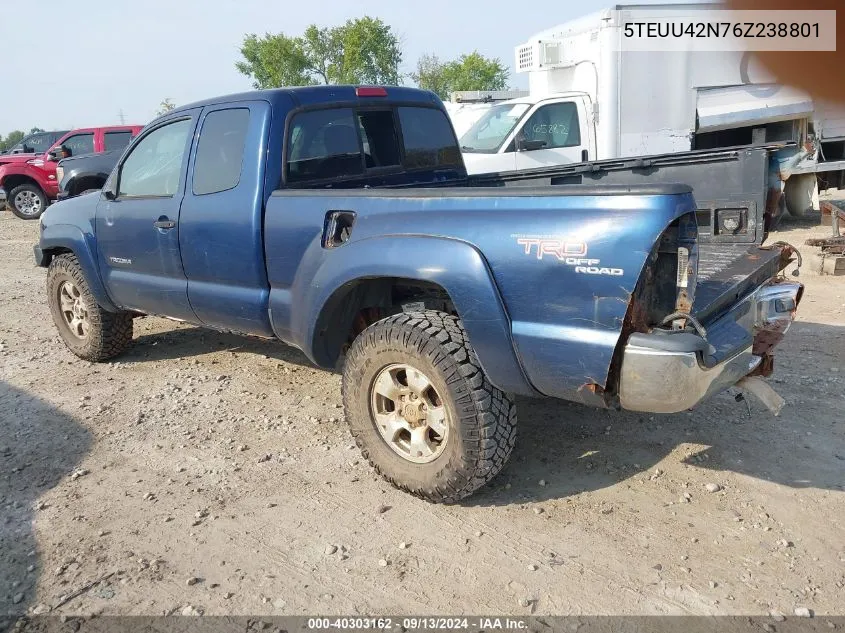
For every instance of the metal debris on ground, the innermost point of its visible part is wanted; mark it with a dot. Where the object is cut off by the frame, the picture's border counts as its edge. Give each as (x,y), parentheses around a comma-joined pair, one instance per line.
(831,258)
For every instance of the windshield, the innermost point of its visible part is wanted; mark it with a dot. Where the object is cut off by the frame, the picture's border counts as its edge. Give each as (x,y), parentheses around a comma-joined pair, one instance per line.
(490,131)
(36,143)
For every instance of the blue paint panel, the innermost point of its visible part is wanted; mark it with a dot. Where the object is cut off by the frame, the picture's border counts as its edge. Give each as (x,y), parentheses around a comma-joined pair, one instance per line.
(454,265)
(76,233)
(135,257)
(222,241)
(565,325)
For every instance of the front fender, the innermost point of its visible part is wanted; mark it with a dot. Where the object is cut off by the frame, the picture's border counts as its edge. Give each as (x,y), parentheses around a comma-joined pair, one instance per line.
(59,238)
(456,266)
(15,170)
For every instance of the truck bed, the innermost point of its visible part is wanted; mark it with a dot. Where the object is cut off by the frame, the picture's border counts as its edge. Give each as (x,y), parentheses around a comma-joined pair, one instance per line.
(732,184)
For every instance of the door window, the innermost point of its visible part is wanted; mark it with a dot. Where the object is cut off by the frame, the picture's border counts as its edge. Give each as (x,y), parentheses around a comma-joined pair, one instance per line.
(220,151)
(79,144)
(155,164)
(116,140)
(556,125)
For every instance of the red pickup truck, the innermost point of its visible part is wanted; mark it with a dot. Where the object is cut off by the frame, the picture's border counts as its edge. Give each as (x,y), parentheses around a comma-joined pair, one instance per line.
(29,181)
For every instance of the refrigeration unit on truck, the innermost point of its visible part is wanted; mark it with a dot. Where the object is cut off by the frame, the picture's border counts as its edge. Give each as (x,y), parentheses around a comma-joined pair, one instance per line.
(590,99)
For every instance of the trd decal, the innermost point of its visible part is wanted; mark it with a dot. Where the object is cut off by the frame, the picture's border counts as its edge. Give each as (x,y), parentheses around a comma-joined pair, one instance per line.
(551,246)
(571,253)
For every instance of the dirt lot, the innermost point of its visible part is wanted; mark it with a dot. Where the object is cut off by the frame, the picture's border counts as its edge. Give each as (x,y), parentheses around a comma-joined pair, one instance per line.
(209,473)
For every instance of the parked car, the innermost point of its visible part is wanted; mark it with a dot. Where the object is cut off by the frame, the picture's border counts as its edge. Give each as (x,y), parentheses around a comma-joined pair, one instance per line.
(356,236)
(30,183)
(79,174)
(36,143)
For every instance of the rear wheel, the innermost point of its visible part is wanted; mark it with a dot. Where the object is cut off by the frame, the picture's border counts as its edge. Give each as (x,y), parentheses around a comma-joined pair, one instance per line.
(27,201)
(87,330)
(421,409)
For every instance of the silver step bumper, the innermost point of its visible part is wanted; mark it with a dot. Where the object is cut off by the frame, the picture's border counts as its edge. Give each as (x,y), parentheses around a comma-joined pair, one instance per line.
(668,373)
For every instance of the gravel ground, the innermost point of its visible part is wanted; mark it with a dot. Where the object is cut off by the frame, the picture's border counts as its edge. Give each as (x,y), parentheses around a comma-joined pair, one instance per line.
(206,473)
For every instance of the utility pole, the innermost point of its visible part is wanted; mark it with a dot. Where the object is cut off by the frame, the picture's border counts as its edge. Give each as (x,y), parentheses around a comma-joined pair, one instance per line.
(122,117)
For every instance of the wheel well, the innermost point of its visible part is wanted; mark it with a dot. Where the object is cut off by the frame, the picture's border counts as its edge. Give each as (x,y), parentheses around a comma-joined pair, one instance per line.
(50,253)
(359,304)
(16,180)
(85,183)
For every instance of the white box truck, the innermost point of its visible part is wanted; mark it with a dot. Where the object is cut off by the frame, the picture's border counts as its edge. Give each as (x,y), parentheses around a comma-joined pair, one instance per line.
(590,99)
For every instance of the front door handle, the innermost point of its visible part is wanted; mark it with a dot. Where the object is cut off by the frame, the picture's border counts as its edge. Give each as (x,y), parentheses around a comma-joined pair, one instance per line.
(163,223)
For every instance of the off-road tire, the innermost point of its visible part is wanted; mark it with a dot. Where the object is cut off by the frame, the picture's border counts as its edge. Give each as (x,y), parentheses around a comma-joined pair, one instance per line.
(482,419)
(35,190)
(109,334)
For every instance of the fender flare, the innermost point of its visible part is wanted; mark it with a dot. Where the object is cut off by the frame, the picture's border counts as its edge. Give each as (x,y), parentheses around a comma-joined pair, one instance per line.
(456,266)
(75,176)
(58,238)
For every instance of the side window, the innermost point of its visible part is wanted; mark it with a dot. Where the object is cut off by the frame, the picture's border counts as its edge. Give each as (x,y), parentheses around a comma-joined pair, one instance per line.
(155,164)
(116,140)
(555,124)
(378,133)
(323,144)
(220,151)
(429,139)
(79,144)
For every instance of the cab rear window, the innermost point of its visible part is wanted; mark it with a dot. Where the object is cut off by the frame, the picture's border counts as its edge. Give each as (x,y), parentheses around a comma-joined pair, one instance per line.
(340,143)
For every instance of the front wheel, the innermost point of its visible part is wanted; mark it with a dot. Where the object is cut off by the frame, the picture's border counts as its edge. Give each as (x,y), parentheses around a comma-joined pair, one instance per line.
(27,202)
(421,409)
(88,330)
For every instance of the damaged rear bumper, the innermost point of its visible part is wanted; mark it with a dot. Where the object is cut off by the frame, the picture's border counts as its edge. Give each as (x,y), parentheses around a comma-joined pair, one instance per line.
(671,372)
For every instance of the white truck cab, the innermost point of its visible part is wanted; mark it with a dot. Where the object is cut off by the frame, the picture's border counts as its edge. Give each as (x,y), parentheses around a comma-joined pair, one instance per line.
(531,132)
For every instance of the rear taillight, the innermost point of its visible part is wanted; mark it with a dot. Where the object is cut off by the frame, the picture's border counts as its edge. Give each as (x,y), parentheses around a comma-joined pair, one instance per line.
(687,273)
(370,91)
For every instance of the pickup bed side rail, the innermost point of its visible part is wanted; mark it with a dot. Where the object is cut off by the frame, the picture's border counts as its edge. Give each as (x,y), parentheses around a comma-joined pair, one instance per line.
(737,190)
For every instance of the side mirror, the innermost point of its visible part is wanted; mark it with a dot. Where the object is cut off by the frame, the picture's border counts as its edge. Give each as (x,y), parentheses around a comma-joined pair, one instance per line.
(529,145)
(55,155)
(109,194)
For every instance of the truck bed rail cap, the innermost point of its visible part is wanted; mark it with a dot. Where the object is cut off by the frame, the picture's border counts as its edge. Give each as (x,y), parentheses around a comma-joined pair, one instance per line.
(499,192)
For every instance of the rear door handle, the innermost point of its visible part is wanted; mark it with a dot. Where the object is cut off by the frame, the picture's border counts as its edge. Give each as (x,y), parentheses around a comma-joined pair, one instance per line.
(164,224)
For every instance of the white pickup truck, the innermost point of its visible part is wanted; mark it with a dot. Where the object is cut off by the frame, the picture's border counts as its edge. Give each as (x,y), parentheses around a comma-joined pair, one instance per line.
(590,99)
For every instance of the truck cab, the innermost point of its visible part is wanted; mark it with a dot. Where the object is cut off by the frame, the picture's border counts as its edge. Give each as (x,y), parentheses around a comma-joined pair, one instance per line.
(529,133)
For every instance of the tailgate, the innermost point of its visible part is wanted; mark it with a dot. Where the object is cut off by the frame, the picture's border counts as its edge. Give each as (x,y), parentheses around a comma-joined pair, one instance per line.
(728,272)
(727,277)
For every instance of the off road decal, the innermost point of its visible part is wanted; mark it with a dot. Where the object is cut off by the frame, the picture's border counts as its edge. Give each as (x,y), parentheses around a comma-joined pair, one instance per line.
(570,252)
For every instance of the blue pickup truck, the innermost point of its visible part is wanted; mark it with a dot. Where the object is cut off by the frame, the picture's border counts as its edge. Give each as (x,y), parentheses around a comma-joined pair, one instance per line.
(341,220)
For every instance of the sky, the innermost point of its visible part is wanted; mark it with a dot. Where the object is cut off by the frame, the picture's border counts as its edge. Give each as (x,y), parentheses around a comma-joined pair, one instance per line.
(82,64)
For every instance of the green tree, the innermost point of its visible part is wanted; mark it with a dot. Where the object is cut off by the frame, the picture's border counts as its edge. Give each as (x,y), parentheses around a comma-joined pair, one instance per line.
(362,51)
(12,139)
(36,130)
(468,72)
(430,75)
